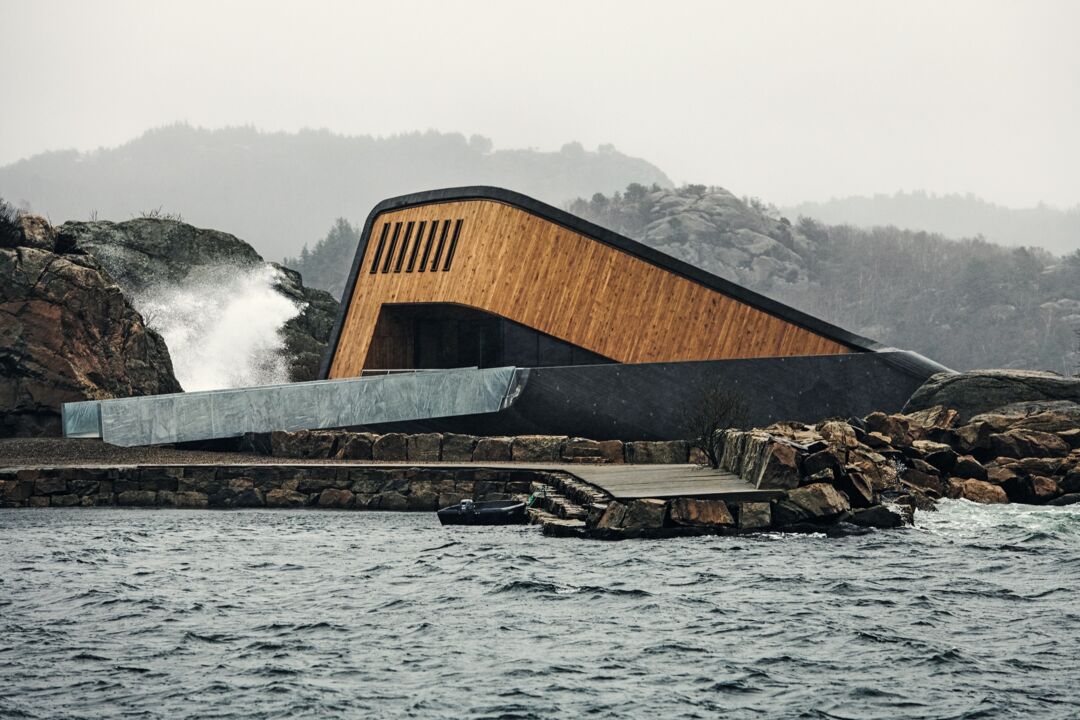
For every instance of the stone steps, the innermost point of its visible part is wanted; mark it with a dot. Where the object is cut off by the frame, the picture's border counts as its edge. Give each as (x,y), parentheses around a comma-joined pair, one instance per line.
(561,504)
(581,493)
(554,526)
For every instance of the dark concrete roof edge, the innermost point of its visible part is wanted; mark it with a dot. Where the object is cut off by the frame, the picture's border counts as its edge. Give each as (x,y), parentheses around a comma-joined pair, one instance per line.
(596,232)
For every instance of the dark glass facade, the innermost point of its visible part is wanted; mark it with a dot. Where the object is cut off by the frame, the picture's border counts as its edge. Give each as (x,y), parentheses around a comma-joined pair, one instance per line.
(446,336)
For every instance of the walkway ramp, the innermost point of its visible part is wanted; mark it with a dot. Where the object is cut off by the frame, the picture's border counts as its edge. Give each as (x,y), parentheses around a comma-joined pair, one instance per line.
(184,417)
(627,482)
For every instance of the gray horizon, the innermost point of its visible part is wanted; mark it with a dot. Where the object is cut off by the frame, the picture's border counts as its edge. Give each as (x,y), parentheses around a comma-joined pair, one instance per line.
(791,102)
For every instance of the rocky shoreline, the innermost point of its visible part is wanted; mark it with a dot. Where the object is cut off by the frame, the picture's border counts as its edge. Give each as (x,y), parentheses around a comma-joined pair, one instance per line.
(837,477)
(984,436)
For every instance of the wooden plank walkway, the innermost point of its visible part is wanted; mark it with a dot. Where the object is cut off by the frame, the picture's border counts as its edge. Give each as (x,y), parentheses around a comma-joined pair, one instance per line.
(625,482)
(619,481)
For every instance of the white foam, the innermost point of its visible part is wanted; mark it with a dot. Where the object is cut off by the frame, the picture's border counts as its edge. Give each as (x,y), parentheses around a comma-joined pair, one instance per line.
(222,326)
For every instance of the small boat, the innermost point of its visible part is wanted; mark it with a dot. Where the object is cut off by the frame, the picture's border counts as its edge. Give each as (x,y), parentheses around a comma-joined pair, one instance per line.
(495,512)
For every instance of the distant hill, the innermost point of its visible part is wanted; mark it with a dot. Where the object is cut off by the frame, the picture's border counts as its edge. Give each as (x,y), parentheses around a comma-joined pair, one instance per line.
(954,216)
(280,191)
(966,303)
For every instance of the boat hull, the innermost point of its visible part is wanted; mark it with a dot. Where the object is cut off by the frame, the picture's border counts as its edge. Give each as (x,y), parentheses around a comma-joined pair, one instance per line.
(500,512)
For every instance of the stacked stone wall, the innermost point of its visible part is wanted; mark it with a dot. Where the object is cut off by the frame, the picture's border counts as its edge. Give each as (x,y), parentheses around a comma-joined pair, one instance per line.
(275,486)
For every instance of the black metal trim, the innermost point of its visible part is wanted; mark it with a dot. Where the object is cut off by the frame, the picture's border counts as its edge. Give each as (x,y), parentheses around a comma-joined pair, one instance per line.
(600,234)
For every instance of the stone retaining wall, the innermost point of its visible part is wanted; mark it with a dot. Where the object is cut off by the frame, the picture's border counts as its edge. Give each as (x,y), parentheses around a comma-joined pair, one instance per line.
(450,447)
(357,488)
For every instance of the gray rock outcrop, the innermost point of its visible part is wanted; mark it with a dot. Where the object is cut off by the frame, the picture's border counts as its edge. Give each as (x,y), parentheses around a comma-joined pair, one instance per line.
(712,229)
(979,391)
(67,333)
(145,252)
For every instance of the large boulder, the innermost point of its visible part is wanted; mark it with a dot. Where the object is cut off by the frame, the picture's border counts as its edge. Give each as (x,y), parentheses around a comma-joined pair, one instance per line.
(305,444)
(355,446)
(755,516)
(967,467)
(662,452)
(876,516)
(979,391)
(490,449)
(780,470)
(700,513)
(69,334)
(425,447)
(458,448)
(537,448)
(633,516)
(895,428)
(336,498)
(982,492)
(391,446)
(819,500)
(1028,443)
(145,252)
(34,231)
(1052,416)
(582,450)
(1031,490)
(643,515)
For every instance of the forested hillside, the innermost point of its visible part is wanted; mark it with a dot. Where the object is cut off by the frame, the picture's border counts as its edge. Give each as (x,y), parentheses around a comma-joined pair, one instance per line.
(953,216)
(279,191)
(965,303)
(326,265)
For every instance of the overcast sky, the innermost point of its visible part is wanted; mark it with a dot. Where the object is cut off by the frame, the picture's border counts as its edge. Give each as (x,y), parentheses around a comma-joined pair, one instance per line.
(789,101)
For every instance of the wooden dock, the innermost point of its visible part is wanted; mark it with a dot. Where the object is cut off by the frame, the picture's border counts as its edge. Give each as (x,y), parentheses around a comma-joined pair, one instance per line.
(622,482)
(626,482)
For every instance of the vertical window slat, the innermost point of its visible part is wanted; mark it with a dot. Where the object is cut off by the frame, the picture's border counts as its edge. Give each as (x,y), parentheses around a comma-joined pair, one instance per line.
(404,247)
(440,246)
(427,245)
(379,248)
(416,246)
(453,245)
(390,250)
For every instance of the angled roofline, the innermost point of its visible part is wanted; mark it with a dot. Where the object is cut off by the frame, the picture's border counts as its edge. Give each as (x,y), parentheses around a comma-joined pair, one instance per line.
(598,233)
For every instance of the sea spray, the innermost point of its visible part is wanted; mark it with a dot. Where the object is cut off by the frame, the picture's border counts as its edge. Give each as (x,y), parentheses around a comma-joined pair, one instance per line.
(222,326)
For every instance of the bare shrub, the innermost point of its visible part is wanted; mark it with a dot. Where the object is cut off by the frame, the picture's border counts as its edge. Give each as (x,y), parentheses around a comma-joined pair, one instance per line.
(159,213)
(718,408)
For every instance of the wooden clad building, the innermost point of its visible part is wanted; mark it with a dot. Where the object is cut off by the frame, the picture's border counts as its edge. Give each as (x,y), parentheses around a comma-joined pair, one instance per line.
(485,277)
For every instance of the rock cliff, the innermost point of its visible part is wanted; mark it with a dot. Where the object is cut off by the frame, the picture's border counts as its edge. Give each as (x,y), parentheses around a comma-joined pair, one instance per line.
(145,252)
(711,229)
(979,391)
(67,333)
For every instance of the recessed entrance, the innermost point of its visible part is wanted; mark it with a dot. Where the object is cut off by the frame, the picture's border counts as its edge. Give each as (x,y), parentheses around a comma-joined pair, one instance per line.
(431,336)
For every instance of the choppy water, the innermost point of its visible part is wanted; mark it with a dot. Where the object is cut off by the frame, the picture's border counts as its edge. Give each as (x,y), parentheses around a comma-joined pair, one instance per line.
(185,614)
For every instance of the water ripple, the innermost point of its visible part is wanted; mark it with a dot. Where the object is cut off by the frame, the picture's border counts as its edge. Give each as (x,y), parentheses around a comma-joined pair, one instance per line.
(257,614)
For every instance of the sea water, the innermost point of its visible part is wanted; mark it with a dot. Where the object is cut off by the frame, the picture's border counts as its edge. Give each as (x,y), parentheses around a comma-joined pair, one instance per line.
(108,613)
